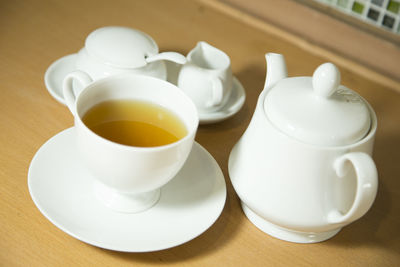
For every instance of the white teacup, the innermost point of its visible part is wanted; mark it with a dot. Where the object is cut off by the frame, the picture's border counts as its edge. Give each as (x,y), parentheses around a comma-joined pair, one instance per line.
(128,178)
(206,77)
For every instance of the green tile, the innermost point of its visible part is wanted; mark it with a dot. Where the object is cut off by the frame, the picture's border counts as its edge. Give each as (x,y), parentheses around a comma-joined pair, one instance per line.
(357,7)
(342,3)
(393,6)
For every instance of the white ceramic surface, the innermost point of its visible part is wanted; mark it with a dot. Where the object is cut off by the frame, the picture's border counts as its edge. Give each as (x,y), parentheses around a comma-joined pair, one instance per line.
(114,49)
(231,107)
(56,73)
(120,47)
(97,70)
(206,77)
(130,175)
(285,234)
(318,110)
(294,190)
(60,68)
(62,189)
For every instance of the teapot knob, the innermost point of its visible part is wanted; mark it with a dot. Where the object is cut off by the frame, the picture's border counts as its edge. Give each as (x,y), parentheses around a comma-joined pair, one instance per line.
(325,80)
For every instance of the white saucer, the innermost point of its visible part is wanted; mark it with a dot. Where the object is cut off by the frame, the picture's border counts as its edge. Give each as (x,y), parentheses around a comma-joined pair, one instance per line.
(55,75)
(60,68)
(234,104)
(62,190)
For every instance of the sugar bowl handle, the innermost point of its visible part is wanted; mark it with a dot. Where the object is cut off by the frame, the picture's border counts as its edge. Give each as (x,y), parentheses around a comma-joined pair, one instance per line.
(69,95)
(367,185)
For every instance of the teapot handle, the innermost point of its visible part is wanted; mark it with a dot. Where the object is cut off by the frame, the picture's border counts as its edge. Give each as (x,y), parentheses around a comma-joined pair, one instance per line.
(217,92)
(69,95)
(367,186)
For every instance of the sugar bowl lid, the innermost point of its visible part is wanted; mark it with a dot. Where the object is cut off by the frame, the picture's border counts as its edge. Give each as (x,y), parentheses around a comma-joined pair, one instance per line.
(120,46)
(318,110)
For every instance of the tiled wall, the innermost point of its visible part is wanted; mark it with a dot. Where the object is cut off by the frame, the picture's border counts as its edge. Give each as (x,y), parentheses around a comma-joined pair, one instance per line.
(384,14)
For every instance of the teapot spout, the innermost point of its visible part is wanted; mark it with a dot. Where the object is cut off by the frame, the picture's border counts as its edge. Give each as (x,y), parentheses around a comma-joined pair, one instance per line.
(276,69)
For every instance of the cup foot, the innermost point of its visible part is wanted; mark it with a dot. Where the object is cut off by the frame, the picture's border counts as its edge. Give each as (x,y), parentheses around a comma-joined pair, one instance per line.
(285,234)
(126,203)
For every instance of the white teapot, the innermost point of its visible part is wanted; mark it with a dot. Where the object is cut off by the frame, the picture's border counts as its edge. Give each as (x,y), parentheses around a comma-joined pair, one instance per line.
(303,168)
(113,49)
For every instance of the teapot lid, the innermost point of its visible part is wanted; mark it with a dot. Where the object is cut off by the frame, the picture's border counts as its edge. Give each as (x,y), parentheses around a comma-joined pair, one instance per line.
(318,110)
(120,46)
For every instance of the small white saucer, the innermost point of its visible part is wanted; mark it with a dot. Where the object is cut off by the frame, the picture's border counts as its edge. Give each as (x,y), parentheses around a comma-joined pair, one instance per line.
(232,106)
(62,189)
(55,74)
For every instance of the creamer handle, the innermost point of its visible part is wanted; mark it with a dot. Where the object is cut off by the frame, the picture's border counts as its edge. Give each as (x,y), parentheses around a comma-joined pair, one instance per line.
(217,92)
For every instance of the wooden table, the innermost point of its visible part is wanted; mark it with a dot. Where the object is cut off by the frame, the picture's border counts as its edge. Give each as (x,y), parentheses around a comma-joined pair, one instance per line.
(35,33)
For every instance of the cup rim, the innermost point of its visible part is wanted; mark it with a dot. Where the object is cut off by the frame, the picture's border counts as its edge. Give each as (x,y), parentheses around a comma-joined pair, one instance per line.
(191,131)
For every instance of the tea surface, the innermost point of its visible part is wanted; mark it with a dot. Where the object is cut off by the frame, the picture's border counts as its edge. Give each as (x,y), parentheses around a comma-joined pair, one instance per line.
(135,123)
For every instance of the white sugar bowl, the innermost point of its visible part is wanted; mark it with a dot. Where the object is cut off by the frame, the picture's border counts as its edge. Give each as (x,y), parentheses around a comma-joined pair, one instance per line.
(113,49)
(303,167)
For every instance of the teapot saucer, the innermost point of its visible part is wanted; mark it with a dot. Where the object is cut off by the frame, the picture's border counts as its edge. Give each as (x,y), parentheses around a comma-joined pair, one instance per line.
(232,106)
(62,189)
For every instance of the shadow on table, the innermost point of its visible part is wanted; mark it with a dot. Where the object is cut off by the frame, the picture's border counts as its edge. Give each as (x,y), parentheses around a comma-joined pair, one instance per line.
(211,241)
